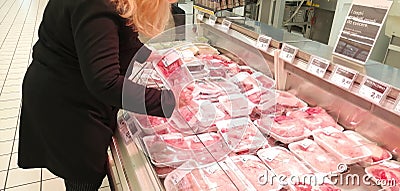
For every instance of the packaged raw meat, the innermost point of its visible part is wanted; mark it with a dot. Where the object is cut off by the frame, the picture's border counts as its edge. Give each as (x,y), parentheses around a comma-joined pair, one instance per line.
(195,66)
(252,168)
(283,128)
(378,154)
(314,187)
(236,105)
(337,143)
(162,172)
(225,85)
(172,71)
(247,69)
(241,135)
(315,118)
(216,176)
(154,125)
(285,102)
(174,149)
(282,162)
(386,174)
(244,81)
(314,156)
(206,49)
(263,80)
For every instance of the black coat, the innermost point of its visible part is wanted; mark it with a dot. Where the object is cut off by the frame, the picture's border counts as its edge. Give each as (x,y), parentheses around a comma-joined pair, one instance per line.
(73,89)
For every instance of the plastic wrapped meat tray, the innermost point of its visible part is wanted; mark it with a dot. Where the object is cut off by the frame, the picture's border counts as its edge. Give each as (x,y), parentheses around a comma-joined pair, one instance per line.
(244,81)
(252,167)
(174,149)
(314,187)
(282,128)
(263,80)
(241,135)
(337,143)
(285,102)
(387,174)
(237,105)
(378,154)
(216,176)
(315,118)
(155,125)
(314,156)
(282,162)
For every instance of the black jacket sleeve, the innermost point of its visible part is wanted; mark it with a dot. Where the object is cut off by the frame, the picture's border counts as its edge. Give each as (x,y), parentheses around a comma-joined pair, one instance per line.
(97,45)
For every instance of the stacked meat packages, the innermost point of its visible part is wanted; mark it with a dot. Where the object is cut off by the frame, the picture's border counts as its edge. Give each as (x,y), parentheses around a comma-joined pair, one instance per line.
(219,136)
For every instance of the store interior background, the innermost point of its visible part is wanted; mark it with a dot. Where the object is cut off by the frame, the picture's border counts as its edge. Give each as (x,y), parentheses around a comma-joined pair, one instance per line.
(19,21)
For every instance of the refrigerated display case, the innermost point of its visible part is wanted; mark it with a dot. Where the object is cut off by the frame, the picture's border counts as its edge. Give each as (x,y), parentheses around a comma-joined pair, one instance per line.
(137,169)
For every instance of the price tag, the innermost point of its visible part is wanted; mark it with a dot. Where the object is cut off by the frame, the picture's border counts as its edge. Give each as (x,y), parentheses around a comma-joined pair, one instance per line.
(318,66)
(226,25)
(288,53)
(397,107)
(373,90)
(270,155)
(263,42)
(205,137)
(212,20)
(200,16)
(178,175)
(329,130)
(343,77)
(306,143)
(170,57)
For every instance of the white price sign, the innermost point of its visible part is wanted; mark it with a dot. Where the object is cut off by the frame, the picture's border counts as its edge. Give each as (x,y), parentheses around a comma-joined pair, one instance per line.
(343,77)
(263,42)
(318,66)
(212,20)
(200,16)
(226,25)
(373,90)
(397,107)
(288,53)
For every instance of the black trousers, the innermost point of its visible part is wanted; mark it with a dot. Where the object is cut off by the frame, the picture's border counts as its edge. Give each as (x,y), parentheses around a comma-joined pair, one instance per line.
(71,185)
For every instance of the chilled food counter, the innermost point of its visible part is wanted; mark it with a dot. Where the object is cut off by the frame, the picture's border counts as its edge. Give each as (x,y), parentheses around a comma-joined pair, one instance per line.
(281,121)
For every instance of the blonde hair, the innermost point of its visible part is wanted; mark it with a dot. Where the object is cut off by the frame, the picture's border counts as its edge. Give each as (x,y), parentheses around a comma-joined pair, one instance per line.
(148,17)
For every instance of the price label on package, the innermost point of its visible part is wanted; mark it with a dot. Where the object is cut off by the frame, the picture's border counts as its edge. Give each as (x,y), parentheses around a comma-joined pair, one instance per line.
(288,53)
(263,42)
(343,77)
(226,25)
(212,19)
(318,66)
(373,90)
(397,106)
(200,16)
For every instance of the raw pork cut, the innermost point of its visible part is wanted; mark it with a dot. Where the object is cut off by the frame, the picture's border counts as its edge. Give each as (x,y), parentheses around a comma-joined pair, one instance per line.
(316,157)
(315,118)
(251,167)
(216,176)
(388,171)
(285,102)
(244,81)
(263,80)
(340,145)
(283,128)
(322,187)
(241,135)
(282,162)
(378,153)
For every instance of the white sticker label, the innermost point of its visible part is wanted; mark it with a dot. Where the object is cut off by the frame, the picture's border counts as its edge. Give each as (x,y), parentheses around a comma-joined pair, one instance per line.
(173,136)
(270,155)
(178,175)
(329,130)
(318,66)
(212,20)
(306,143)
(288,53)
(212,169)
(397,107)
(263,42)
(226,25)
(187,54)
(200,16)
(391,165)
(343,77)
(171,57)
(373,90)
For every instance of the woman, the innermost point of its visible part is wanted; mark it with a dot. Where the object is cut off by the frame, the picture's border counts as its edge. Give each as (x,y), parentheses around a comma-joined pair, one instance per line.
(73,87)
